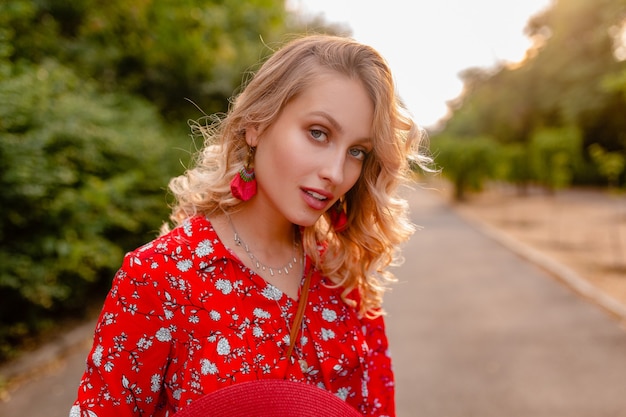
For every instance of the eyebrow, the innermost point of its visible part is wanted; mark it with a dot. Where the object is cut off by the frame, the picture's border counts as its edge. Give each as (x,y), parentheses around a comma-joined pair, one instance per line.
(330,119)
(337,126)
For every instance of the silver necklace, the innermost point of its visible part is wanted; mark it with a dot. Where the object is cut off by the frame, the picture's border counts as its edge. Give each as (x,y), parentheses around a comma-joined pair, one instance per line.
(260,266)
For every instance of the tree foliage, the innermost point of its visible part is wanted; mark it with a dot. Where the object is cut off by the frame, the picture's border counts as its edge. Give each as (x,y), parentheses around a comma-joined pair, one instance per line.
(83,176)
(166,50)
(465,163)
(554,156)
(610,164)
(92,126)
(573,79)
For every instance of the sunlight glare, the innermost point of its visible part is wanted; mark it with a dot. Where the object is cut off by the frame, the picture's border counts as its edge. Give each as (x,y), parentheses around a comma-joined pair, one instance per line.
(427,44)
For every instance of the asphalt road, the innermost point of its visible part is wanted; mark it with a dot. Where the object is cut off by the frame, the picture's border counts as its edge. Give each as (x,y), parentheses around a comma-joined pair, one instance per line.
(475,330)
(478,331)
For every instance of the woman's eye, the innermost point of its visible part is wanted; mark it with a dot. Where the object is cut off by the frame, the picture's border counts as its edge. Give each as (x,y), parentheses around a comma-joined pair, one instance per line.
(358,153)
(317,134)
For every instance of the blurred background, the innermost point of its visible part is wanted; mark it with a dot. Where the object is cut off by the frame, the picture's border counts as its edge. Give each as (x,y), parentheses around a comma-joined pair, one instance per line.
(95,97)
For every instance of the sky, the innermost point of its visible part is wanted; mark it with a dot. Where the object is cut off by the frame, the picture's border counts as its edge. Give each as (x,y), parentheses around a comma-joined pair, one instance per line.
(428,42)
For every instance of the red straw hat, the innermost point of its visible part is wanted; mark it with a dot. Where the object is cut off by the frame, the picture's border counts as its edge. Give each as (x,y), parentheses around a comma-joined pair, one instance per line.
(269,398)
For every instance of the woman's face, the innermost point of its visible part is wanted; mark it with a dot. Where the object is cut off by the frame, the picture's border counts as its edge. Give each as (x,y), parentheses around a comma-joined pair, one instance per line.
(314,152)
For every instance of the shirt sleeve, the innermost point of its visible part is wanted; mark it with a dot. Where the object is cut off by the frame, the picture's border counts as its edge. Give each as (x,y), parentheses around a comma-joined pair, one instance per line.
(380,372)
(131,345)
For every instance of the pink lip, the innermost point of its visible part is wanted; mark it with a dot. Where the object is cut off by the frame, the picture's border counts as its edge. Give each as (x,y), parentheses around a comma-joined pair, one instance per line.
(313,202)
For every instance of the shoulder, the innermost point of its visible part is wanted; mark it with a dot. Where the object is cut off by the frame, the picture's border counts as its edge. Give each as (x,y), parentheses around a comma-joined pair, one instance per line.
(195,238)
(193,245)
(173,268)
(187,236)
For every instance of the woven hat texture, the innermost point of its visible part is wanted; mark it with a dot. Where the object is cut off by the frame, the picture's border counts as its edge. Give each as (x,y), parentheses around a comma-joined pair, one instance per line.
(269,398)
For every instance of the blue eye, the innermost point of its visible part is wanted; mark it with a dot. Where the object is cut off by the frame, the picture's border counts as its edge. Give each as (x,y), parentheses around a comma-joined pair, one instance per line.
(358,153)
(317,134)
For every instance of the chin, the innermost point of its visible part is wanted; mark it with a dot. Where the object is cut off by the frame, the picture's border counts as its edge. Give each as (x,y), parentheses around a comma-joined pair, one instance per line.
(305,222)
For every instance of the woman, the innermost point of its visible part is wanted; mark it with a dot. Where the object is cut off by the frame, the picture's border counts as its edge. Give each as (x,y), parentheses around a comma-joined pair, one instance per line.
(292,198)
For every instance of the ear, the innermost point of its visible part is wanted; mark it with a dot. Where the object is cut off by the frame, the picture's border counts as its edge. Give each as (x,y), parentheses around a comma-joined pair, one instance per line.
(252,135)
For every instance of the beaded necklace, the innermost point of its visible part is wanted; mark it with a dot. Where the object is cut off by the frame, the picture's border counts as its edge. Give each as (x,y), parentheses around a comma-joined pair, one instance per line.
(260,266)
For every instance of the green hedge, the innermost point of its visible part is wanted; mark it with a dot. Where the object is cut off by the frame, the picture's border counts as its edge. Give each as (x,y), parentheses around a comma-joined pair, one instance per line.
(83,176)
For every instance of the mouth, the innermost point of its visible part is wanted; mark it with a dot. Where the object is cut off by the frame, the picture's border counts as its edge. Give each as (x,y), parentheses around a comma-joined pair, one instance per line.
(316,199)
(316,195)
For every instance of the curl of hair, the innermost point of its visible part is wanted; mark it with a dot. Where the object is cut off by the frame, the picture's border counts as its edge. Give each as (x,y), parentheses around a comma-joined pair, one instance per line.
(377,215)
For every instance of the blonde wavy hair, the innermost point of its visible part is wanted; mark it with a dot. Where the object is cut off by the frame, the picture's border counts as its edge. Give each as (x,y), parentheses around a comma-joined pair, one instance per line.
(377,216)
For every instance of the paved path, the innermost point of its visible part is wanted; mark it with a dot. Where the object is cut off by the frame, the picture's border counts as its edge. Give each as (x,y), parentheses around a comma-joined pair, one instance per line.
(475,331)
(478,331)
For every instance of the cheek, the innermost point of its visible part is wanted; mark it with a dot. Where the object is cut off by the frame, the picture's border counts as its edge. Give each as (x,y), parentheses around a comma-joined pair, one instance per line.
(278,160)
(351,176)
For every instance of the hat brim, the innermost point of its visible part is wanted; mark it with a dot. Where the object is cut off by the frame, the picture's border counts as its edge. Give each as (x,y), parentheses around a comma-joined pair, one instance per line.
(269,398)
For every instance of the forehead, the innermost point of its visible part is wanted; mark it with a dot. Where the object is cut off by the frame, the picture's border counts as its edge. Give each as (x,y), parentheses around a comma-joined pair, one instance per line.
(344,98)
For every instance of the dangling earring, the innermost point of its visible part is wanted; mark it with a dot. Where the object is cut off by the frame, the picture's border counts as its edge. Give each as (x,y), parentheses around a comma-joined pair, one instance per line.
(338,217)
(243,185)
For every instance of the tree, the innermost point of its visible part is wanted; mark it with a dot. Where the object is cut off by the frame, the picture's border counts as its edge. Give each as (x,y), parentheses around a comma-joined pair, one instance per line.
(555,154)
(85,149)
(167,50)
(572,77)
(467,162)
(83,176)
(610,164)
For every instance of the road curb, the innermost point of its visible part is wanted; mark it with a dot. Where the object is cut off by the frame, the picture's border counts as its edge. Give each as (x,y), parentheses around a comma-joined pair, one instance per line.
(562,272)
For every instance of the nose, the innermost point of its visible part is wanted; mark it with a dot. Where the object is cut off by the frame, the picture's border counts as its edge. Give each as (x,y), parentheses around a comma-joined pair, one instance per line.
(332,169)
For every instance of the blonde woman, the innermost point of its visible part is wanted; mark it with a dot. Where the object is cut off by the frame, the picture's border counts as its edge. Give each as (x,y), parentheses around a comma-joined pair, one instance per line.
(276,265)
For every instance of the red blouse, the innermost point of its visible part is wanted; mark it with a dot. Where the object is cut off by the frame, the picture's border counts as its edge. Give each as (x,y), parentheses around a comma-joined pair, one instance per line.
(185,317)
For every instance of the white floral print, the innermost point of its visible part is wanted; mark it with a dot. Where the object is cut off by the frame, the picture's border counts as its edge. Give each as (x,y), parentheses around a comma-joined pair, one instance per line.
(329,315)
(184,318)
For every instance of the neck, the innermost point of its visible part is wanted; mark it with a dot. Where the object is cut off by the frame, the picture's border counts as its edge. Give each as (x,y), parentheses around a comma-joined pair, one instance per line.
(263,233)
(270,247)
(271,244)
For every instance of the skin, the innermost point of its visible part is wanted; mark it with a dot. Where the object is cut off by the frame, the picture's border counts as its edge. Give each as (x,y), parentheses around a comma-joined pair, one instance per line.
(305,161)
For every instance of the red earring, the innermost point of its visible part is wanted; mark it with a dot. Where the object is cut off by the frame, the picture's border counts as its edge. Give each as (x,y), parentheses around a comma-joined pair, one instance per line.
(338,217)
(243,185)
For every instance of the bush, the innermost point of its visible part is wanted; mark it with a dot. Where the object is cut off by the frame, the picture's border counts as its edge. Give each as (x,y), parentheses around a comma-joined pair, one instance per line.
(82,175)
(467,162)
(556,154)
(514,165)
